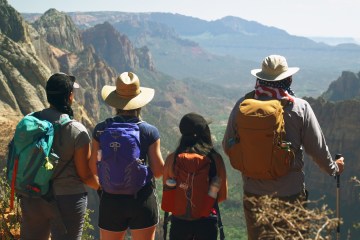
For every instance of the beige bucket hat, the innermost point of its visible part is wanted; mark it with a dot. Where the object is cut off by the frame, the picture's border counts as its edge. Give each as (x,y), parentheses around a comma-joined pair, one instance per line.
(274,68)
(127,94)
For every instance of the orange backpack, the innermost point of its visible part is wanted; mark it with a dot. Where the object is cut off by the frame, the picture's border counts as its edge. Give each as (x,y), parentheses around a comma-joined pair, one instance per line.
(259,150)
(188,198)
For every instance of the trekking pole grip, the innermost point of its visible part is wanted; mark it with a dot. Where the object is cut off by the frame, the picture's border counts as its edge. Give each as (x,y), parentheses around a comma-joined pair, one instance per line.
(337,156)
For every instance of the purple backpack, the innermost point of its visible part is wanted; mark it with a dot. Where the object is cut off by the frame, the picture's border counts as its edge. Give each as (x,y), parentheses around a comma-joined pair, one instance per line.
(120,169)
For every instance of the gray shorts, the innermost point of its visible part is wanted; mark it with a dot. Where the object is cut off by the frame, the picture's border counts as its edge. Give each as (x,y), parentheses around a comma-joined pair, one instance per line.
(40,217)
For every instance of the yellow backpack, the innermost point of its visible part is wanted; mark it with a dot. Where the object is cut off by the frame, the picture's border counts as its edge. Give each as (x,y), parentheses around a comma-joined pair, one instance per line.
(260,151)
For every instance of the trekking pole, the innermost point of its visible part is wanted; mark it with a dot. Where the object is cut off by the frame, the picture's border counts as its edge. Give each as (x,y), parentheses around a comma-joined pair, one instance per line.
(220,224)
(337,156)
(166,220)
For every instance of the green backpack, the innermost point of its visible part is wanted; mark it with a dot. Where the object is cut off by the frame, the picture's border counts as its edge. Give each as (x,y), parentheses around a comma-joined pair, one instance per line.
(31,161)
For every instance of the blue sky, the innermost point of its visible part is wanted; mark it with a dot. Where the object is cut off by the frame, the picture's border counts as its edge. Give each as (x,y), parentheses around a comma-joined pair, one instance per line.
(309,18)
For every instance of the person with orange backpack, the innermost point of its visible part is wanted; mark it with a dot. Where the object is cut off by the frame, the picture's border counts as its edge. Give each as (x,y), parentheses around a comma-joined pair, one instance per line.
(267,132)
(194,182)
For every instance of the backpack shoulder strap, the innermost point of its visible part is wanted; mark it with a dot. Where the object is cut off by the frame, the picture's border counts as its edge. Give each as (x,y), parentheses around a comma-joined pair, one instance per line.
(64,119)
(284,102)
(249,95)
(212,170)
(36,114)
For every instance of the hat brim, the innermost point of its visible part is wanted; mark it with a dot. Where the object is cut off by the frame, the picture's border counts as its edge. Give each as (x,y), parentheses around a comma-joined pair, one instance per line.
(73,79)
(76,85)
(266,77)
(109,95)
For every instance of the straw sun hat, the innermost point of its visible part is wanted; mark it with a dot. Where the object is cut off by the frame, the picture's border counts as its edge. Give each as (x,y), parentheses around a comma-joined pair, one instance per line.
(127,94)
(274,68)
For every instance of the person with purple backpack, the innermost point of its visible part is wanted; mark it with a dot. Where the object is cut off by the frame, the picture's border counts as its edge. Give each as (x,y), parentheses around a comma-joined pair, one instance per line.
(126,158)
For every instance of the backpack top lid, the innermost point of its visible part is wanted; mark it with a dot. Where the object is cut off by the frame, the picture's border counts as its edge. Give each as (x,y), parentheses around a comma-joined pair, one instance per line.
(31,129)
(191,162)
(259,114)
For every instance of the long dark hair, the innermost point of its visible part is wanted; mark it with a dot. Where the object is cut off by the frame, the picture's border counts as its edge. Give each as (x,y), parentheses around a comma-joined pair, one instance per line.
(58,90)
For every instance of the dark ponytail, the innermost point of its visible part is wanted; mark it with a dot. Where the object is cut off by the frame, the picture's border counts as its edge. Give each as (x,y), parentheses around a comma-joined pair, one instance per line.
(61,103)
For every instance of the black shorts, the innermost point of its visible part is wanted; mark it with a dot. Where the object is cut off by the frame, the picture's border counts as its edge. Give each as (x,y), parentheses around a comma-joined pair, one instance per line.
(201,229)
(120,212)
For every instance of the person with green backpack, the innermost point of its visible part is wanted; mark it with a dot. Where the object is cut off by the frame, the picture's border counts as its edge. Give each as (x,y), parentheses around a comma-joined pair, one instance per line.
(268,131)
(55,208)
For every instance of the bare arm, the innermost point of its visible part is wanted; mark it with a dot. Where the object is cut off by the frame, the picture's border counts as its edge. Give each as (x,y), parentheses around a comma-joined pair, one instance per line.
(168,171)
(81,158)
(93,159)
(221,173)
(156,161)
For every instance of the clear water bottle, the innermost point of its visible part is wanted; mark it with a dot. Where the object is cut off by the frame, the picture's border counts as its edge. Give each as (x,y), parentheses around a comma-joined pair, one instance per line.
(210,198)
(214,187)
(170,183)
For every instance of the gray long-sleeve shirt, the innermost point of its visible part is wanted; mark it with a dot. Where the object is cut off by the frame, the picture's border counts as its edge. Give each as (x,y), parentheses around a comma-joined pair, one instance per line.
(304,133)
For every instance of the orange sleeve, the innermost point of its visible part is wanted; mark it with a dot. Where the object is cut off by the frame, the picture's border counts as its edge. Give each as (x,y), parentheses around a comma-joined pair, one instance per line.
(221,173)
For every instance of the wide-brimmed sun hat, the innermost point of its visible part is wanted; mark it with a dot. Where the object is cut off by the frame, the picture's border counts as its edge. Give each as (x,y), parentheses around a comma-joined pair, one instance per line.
(274,68)
(127,94)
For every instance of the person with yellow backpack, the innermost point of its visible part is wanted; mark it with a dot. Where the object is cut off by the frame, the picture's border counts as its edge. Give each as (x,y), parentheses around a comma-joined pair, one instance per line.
(267,133)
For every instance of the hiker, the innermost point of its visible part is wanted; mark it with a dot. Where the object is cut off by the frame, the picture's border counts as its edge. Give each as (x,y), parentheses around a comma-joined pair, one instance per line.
(127,199)
(302,133)
(197,170)
(72,145)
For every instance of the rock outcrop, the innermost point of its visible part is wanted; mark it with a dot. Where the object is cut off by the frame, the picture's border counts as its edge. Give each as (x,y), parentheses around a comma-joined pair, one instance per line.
(27,60)
(116,49)
(145,58)
(59,30)
(346,87)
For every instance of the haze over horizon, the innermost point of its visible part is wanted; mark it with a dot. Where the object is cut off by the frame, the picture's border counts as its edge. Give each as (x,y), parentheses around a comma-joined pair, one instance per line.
(307,18)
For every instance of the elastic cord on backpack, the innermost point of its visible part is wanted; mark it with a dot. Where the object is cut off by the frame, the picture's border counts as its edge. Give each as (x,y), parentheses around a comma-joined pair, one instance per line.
(192,189)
